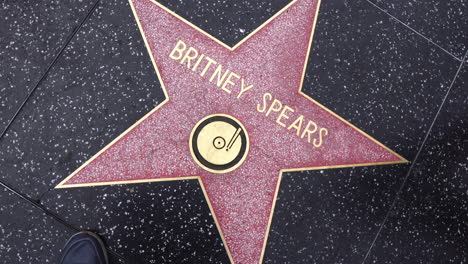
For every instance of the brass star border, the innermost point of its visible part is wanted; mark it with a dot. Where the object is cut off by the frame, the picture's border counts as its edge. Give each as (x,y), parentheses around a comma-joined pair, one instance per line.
(64,185)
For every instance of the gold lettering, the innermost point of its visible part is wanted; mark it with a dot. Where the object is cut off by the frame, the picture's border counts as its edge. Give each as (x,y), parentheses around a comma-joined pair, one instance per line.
(218,71)
(198,62)
(243,88)
(283,115)
(272,106)
(210,61)
(178,49)
(229,82)
(306,130)
(317,145)
(189,57)
(227,79)
(264,102)
(297,124)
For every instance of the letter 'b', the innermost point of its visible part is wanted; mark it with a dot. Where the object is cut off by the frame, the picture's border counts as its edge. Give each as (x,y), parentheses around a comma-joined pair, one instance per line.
(179,48)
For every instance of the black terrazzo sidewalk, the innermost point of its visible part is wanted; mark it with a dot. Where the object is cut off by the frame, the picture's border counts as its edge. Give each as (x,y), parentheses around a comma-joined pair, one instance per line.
(394,69)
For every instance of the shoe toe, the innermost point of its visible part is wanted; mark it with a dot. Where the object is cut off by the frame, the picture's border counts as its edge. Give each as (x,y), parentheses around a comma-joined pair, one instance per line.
(84,248)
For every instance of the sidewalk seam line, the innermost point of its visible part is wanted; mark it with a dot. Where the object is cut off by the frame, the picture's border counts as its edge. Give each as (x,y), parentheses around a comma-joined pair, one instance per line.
(43,76)
(51,214)
(412,29)
(400,190)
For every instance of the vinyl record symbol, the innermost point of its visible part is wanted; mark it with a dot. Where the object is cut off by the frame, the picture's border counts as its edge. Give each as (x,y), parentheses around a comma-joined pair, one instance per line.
(219,143)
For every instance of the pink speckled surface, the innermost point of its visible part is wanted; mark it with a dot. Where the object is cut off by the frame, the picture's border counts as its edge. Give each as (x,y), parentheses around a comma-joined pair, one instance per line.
(272,60)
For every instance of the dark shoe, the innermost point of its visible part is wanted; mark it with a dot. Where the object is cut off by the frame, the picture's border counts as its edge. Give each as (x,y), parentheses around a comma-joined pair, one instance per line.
(84,248)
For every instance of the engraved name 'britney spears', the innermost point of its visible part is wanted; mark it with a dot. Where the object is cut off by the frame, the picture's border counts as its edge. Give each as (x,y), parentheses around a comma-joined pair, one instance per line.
(227,80)
(224,79)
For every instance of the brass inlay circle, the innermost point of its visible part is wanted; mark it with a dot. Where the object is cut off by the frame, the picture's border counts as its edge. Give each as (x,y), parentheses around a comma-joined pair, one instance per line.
(219,143)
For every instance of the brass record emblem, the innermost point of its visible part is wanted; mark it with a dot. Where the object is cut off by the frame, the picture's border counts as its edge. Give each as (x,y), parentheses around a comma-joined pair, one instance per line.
(219,143)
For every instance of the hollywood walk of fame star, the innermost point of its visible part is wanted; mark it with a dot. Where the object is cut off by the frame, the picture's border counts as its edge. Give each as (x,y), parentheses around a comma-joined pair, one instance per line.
(234,118)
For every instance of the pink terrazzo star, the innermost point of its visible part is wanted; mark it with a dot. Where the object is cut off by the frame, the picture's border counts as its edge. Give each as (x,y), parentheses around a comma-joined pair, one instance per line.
(271,60)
